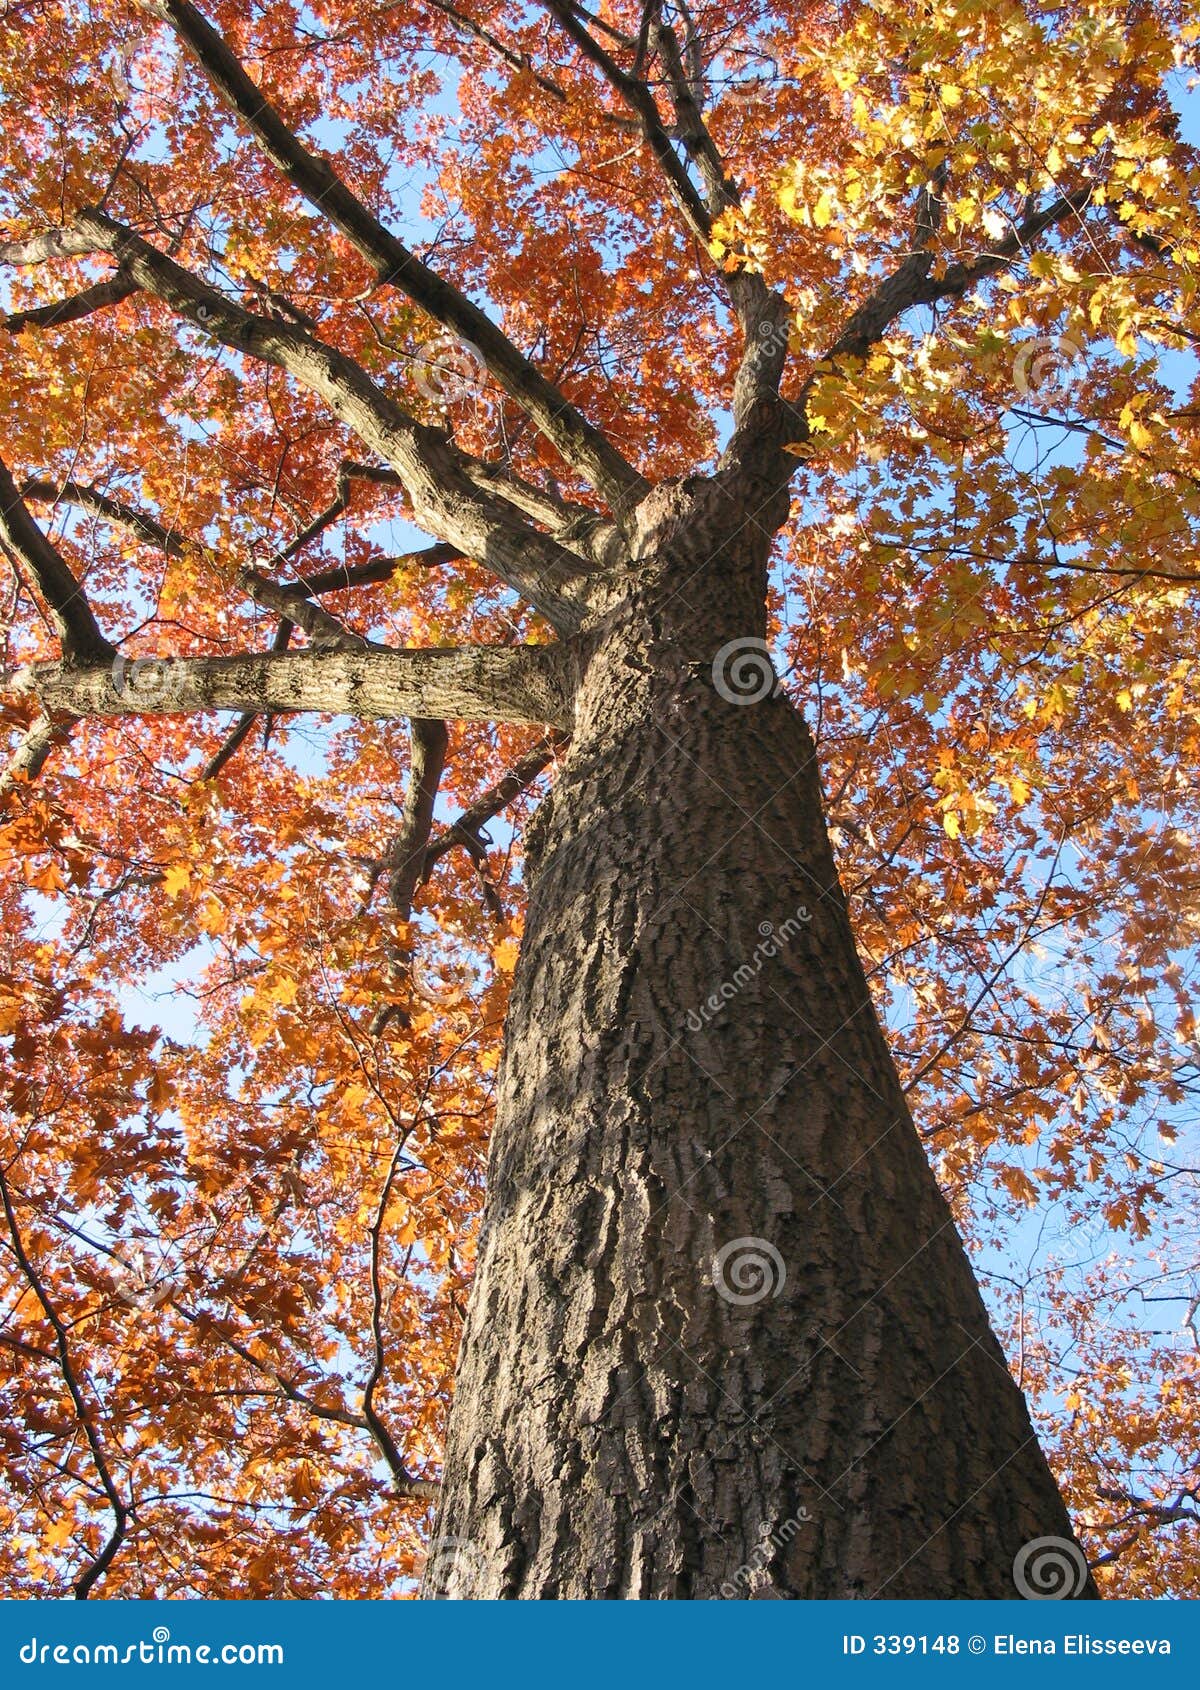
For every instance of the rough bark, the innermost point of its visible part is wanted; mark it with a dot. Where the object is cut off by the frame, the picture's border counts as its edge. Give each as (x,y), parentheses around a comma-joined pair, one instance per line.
(481,683)
(692,1064)
(78,632)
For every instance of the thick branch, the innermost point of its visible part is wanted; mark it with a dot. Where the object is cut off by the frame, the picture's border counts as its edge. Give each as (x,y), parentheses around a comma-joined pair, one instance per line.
(470,683)
(73,309)
(296,604)
(584,532)
(40,249)
(575,526)
(229,746)
(340,576)
(82,641)
(406,857)
(289,599)
(913,284)
(761,314)
(116,511)
(436,475)
(641,102)
(581,445)
(405,862)
(720,192)
(33,748)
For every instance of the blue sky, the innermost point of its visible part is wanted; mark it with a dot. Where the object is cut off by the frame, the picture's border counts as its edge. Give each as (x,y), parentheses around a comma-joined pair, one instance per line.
(1032,1245)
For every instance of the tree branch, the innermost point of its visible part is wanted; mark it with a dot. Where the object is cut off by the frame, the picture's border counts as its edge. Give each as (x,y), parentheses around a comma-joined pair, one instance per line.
(291,600)
(120,1512)
(720,191)
(518,61)
(71,310)
(470,683)
(581,445)
(405,860)
(33,748)
(912,284)
(78,630)
(229,746)
(465,828)
(341,576)
(406,857)
(761,314)
(403,1481)
(383,1438)
(435,474)
(62,242)
(296,606)
(641,102)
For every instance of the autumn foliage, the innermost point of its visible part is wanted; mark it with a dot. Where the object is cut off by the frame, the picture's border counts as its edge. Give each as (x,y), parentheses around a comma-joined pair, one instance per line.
(247,1050)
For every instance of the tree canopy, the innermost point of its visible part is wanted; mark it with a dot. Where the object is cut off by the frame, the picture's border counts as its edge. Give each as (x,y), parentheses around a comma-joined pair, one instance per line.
(344,329)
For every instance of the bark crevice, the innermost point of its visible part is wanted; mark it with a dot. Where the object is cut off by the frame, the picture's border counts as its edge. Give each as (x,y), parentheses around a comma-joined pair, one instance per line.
(723,1329)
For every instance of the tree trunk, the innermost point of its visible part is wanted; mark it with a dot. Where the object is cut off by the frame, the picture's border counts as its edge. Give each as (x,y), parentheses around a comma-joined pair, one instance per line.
(724,1340)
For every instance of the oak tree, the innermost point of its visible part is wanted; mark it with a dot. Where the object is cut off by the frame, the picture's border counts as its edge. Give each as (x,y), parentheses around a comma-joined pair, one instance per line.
(570,565)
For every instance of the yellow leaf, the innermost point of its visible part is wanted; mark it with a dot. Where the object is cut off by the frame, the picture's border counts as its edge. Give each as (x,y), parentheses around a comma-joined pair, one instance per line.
(213,919)
(951,94)
(505,955)
(823,212)
(951,823)
(177,879)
